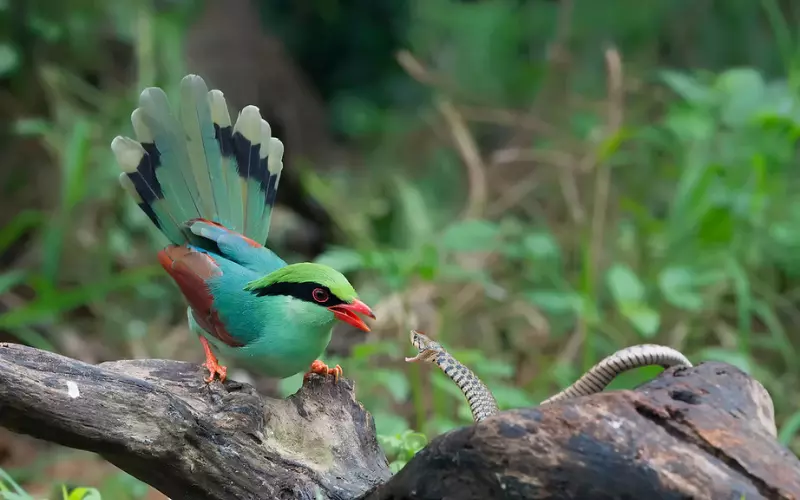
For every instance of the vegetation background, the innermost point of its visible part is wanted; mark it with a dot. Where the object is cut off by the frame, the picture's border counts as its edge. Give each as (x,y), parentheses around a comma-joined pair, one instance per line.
(535,183)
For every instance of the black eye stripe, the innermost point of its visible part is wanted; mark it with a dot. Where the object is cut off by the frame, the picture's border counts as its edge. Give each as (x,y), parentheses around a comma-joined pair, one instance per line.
(302,291)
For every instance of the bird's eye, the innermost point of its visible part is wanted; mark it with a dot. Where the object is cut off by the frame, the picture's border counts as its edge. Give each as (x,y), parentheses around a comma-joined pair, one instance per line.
(320,295)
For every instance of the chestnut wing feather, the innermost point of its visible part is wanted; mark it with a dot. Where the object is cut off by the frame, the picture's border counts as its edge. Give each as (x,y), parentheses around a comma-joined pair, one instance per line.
(191,271)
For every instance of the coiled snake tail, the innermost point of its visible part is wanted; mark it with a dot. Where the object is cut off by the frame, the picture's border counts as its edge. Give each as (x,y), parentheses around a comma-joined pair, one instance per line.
(600,375)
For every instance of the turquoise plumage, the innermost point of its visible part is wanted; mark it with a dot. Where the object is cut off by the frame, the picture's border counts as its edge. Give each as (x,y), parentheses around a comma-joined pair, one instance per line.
(209,186)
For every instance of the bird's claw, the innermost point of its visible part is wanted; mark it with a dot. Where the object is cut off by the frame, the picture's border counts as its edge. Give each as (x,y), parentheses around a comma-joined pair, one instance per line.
(321,368)
(215,370)
(211,364)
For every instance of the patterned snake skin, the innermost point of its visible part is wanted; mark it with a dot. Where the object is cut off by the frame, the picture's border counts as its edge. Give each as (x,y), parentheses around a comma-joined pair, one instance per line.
(482,402)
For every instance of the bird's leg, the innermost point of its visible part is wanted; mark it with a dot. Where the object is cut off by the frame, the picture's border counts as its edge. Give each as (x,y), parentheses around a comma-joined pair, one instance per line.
(211,363)
(322,369)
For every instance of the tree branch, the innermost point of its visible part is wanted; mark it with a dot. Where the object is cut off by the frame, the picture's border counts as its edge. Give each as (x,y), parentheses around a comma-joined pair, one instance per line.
(157,420)
(705,432)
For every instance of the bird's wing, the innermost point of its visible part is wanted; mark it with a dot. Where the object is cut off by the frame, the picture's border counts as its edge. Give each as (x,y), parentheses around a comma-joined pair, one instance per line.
(235,247)
(192,270)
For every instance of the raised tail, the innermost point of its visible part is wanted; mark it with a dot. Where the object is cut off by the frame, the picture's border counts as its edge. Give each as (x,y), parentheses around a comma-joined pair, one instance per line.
(199,165)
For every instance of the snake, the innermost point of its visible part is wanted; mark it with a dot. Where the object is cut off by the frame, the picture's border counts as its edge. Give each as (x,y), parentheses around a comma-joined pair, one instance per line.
(481,401)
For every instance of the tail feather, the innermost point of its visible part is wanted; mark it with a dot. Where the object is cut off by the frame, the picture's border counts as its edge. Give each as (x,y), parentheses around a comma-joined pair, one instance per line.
(229,187)
(139,181)
(255,198)
(247,147)
(201,166)
(174,173)
(204,155)
(270,184)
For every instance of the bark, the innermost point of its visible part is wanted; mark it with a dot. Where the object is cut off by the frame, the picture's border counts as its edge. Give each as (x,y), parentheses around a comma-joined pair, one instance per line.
(706,432)
(157,420)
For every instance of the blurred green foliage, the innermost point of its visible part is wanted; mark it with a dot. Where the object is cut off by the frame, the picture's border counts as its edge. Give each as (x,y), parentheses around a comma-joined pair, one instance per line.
(679,225)
(402,447)
(10,490)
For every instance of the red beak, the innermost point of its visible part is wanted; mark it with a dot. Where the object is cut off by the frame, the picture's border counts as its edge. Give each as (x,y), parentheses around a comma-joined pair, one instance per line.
(347,313)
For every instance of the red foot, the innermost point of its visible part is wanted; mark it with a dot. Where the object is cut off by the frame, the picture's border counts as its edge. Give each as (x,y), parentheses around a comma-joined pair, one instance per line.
(211,364)
(322,369)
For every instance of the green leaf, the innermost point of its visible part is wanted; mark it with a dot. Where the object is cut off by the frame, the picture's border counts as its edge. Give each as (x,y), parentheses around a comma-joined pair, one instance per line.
(9,59)
(32,126)
(391,444)
(8,482)
(744,303)
(7,495)
(645,319)
(677,287)
(742,91)
(779,106)
(789,429)
(555,301)
(610,145)
(11,278)
(414,442)
(541,246)
(690,125)
(427,265)
(23,222)
(33,338)
(471,235)
(688,87)
(81,493)
(395,381)
(509,397)
(389,423)
(588,310)
(625,286)
(633,378)
(782,341)
(439,424)
(415,213)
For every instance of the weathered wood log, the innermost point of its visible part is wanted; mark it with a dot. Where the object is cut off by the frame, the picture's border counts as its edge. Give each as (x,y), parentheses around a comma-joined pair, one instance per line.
(703,433)
(706,432)
(158,421)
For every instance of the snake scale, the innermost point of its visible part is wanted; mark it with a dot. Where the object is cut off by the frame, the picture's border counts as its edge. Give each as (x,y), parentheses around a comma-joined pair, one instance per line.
(482,403)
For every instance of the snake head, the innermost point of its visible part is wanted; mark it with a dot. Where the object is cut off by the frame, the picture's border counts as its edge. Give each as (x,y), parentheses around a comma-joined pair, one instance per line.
(428,349)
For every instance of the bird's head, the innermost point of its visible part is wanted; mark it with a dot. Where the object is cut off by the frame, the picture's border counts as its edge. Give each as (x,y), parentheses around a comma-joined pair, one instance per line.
(317,292)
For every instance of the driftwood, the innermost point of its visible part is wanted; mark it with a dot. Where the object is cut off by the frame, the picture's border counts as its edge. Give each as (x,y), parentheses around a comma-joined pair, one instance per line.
(158,421)
(704,433)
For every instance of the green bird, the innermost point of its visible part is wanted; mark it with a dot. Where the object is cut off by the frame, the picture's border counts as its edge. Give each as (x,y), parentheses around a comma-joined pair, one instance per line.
(209,186)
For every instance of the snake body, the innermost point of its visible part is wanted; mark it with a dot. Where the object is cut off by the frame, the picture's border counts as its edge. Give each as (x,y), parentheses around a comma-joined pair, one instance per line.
(482,403)
(481,400)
